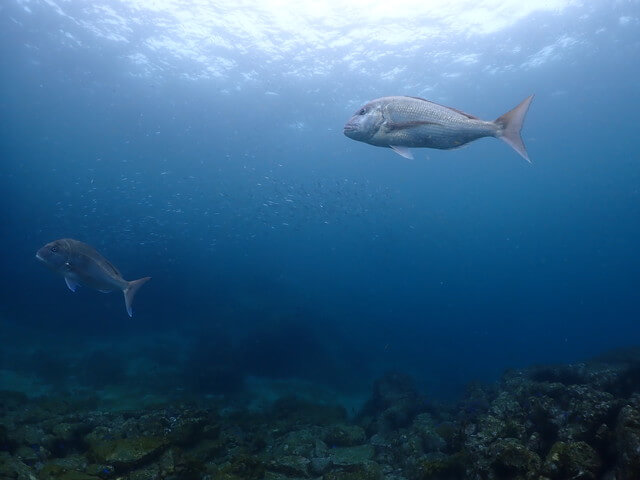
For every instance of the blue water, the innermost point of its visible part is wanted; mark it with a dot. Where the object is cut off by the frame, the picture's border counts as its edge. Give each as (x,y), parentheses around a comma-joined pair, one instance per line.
(213,160)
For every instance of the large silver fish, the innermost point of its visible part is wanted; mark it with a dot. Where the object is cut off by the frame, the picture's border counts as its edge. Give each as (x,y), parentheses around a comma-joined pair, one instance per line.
(81,264)
(404,122)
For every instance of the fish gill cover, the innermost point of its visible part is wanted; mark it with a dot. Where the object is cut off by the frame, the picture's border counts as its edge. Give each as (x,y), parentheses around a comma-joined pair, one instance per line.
(201,144)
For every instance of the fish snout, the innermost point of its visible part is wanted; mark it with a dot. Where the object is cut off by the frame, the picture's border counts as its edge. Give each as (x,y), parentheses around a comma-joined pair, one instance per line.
(40,254)
(51,255)
(350,128)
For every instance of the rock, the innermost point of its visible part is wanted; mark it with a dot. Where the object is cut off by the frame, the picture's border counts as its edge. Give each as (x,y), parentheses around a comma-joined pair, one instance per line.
(10,400)
(241,467)
(351,456)
(189,427)
(51,471)
(167,461)
(75,475)
(299,442)
(68,432)
(344,435)
(203,451)
(575,460)
(424,428)
(127,453)
(64,474)
(512,459)
(148,472)
(378,440)
(320,449)
(392,388)
(6,443)
(13,469)
(384,449)
(28,455)
(393,404)
(437,465)
(367,470)
(562,414)
(407,444)
(102,471)
(279,476)
(397,416)
(30,434)
(583,420)
(70,462)
(296,411)
(291,465)
(319,465)
(585,410)
(627,444)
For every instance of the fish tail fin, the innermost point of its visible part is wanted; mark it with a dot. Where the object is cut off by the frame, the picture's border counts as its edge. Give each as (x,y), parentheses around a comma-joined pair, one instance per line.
(131,290)
(510,124)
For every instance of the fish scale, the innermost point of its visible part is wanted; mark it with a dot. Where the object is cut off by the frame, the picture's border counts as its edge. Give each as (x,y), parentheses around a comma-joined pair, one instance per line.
(450,129)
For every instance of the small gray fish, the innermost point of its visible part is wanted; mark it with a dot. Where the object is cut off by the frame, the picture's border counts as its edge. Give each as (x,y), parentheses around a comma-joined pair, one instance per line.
(404,122)
(81,264)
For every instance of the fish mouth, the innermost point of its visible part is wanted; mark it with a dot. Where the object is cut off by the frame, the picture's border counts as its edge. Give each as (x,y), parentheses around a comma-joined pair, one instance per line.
(350,129)
(39,257)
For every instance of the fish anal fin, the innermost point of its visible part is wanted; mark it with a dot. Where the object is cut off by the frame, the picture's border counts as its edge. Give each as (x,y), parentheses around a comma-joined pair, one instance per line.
(402,151)
(72,285)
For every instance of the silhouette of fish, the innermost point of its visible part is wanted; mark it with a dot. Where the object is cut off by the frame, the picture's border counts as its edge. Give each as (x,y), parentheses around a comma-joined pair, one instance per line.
(81,264)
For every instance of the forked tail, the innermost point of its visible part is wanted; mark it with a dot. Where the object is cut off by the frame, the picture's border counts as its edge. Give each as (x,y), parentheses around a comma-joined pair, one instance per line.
(131,290)
(510,125)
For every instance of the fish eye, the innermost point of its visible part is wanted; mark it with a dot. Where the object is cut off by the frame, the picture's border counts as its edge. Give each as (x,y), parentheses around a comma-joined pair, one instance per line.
(362,111)
(54,249)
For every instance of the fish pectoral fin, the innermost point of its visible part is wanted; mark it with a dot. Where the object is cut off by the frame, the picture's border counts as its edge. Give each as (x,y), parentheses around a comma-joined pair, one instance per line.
(73,286)
(402,151)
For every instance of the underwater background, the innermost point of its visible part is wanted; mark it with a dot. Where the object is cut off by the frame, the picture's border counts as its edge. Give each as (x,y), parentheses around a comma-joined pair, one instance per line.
(201,144)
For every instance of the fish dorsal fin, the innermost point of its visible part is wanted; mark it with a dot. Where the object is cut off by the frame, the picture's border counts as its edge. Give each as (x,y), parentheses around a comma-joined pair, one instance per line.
(402,151)
(73,286)
(468,115)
